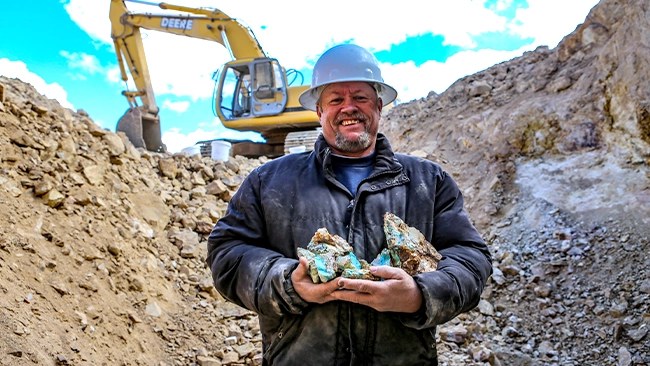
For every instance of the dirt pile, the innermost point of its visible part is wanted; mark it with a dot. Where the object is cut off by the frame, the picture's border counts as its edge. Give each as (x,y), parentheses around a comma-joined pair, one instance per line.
(102,245)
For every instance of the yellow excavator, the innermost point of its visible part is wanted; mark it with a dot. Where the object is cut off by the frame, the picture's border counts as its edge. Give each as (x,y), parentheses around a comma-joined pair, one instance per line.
(251,91)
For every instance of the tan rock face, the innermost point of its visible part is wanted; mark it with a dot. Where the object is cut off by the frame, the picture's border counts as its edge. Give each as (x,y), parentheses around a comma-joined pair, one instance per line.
(114,143)
(151,208)
(168,168)
(94,174)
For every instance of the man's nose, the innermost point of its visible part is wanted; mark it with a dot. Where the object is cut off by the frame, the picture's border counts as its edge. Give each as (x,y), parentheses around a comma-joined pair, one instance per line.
(349,105)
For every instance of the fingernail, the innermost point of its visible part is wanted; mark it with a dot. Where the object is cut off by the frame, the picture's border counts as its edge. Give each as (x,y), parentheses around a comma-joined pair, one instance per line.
(373,269)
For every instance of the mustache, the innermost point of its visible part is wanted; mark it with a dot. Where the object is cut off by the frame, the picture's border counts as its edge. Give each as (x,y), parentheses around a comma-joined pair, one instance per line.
(356,115)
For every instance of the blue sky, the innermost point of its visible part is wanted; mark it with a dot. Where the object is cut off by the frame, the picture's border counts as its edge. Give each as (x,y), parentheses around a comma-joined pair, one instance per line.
(64,49)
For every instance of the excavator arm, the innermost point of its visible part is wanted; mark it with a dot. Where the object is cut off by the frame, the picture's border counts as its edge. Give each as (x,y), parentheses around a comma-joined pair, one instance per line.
(141,122)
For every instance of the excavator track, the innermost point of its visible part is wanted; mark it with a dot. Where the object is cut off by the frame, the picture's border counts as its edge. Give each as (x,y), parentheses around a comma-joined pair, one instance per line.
(301,138)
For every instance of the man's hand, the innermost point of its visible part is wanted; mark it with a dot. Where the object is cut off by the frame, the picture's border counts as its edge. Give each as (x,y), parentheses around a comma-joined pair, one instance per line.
(398,292)
(307,290)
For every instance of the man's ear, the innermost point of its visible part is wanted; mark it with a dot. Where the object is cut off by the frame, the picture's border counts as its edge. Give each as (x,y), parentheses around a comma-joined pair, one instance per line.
(380,104)
(318,111)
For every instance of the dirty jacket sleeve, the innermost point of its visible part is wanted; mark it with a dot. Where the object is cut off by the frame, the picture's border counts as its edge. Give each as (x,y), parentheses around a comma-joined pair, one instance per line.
(456,286)
(244,270)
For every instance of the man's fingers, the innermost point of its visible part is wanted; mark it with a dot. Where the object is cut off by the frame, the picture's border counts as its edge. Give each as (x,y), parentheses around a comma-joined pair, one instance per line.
(388,272)
(330,286)
(352,296)
(302,270)
(356,285)
(307,290)
(303,266)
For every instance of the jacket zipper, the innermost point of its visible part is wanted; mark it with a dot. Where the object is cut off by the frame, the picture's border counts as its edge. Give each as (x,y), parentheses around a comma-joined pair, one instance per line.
(328,172)
(355,201)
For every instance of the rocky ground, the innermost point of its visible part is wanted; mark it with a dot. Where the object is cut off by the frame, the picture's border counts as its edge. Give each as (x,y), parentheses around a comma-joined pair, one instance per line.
(102,245)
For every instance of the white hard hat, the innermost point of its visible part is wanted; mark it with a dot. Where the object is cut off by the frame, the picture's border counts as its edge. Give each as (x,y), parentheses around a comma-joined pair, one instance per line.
(346,62)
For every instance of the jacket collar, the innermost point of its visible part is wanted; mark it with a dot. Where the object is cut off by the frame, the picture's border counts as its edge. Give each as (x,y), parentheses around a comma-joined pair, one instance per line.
(385,159)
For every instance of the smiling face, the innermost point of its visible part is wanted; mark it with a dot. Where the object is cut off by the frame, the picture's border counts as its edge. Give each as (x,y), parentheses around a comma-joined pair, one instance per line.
(349,113)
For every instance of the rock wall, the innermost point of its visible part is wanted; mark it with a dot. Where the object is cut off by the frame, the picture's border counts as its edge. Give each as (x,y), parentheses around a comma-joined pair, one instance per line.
(551,123)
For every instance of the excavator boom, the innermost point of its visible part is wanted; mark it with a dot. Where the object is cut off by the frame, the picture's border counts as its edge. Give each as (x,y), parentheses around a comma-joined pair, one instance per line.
(202,23)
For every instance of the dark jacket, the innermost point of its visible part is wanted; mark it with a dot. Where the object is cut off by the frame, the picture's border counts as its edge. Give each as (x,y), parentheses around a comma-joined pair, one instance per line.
(279,207)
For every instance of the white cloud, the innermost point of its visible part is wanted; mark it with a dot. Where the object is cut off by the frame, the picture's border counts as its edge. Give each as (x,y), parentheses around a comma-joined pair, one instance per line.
(179,107)
(177,141)
(18,70)
(76,76)
(90,64)
(113,75)
(548,21)
(103,124)
(436,76)
(92,17)
(86,62)
(502,5)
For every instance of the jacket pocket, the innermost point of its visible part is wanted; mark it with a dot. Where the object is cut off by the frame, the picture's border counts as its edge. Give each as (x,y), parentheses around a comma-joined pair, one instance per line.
(432,350)
(431,337)
(280,337)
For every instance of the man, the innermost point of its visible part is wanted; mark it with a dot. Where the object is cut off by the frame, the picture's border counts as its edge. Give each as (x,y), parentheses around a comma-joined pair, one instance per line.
(346,185)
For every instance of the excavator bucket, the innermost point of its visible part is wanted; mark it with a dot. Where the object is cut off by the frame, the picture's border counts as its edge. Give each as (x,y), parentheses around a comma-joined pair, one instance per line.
(141,131)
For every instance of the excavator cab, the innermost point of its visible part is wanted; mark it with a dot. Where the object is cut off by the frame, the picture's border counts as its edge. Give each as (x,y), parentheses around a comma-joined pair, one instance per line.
(253,94)
(249,89)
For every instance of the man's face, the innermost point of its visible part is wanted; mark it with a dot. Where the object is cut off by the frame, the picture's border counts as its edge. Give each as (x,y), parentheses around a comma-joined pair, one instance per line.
(349,113)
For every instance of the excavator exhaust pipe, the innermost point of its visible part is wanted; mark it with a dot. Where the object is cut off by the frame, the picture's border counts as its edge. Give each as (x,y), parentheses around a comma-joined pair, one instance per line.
(141,131)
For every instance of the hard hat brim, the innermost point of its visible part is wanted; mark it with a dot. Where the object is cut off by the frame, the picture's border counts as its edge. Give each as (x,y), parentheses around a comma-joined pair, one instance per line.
(309,97)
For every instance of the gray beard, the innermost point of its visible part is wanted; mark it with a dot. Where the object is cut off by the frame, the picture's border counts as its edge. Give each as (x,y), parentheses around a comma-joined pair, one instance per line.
(345,145)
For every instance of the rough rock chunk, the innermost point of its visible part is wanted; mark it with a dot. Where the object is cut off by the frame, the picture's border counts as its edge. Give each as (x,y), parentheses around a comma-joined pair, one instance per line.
(408,247)
(330,256)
